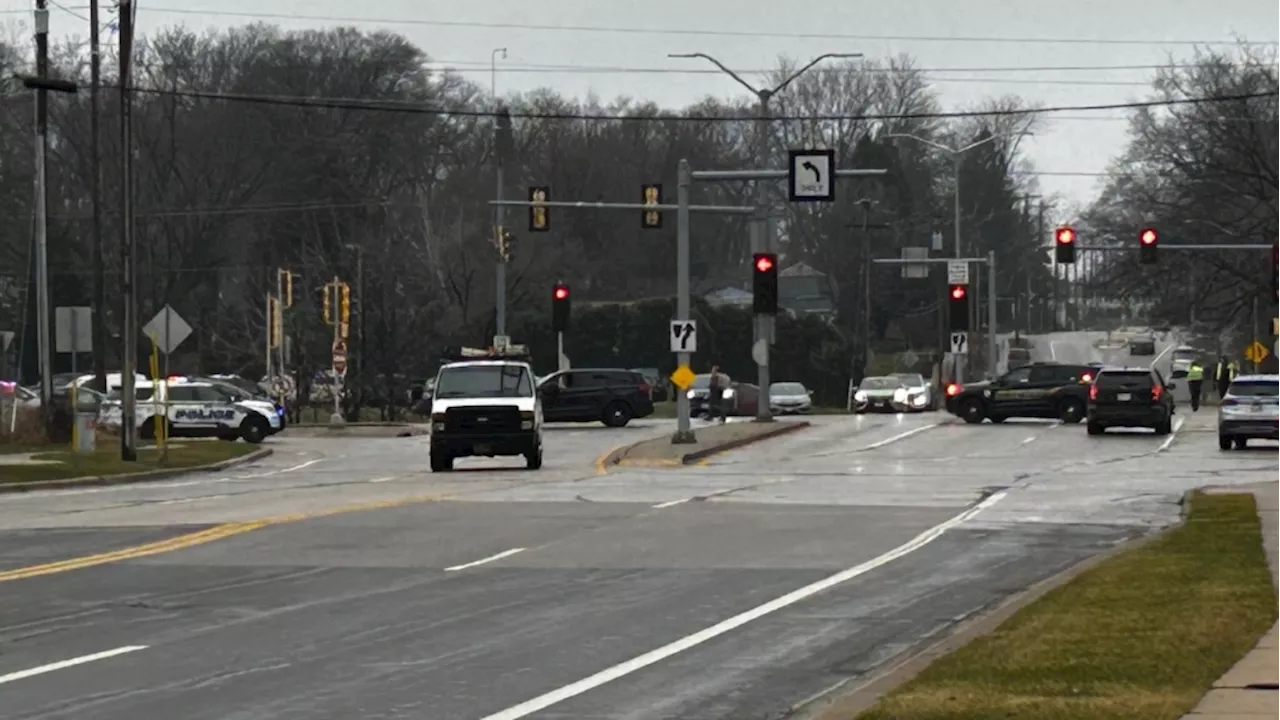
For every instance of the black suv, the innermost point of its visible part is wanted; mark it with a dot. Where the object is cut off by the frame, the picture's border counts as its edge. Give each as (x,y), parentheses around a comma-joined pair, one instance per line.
(1130,397)
(1038,390)
(612,397)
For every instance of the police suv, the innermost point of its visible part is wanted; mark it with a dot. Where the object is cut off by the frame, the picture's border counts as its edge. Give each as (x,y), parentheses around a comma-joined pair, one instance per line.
(485,404)
(195,408)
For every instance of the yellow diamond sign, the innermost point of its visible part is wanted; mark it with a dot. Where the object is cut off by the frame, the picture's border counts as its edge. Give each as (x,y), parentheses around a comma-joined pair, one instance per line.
(1256,353)
(683,377)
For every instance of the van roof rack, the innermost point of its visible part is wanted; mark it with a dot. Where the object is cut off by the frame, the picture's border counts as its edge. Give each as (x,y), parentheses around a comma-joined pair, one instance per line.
(519,353)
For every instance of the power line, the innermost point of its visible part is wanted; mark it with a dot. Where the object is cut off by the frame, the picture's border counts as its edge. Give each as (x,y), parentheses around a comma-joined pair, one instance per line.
(418,109)
(690,32)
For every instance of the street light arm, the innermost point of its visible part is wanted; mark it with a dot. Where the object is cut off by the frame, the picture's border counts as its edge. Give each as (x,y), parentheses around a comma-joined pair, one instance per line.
(993,138)
(926,141)
(827,56)
(722,67)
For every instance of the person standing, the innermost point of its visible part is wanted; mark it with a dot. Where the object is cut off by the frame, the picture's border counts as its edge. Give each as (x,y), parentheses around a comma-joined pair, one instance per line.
(1223,373)
(714,394)
(1195,383)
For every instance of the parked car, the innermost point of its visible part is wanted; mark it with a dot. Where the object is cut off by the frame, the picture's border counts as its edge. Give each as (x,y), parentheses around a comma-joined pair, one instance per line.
(1249,411)
(789,398)
(608,395)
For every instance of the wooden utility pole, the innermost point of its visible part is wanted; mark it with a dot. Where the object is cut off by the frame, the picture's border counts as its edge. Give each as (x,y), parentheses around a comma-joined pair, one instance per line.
(95,189)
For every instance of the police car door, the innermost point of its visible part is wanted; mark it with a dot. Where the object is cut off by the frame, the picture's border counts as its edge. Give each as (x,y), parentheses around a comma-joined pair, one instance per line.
(186,411)
(1010,395)
(219,405)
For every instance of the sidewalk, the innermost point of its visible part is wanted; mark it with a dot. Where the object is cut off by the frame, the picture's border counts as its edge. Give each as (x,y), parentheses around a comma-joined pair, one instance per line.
(1248,690)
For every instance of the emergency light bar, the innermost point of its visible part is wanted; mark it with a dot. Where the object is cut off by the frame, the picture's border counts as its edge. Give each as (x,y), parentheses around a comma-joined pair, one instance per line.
(463,354)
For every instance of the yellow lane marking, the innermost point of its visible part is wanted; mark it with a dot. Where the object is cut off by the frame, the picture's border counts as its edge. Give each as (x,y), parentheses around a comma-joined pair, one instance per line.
(218,532)
(602,466)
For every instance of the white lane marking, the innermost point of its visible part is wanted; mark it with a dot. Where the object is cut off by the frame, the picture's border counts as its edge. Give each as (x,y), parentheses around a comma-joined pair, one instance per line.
(1030,439)
(389,478)
(299,466)
(1053,350)
(62,665)
(900,436)
(640,662)
(1161,354)
(482,561)
(1177,425)
(190,500)
(670,503)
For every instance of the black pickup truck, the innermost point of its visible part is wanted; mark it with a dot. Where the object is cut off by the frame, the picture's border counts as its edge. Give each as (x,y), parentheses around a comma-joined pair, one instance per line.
(1038,390)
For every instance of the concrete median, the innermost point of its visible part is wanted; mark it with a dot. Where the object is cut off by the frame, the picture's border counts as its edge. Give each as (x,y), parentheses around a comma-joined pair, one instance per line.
(711,440)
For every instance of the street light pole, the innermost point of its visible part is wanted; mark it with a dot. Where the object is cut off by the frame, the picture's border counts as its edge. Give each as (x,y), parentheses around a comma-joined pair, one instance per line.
(129,333)
(502,143)
(766,241)
(42,219)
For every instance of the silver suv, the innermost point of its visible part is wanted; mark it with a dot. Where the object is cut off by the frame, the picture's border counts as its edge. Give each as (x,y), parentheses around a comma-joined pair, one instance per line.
(1250,410)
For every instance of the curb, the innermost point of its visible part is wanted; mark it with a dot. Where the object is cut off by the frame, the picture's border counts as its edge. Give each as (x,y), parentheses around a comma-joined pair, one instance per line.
(842,703)
(327,426)
(618,454)
(130,478)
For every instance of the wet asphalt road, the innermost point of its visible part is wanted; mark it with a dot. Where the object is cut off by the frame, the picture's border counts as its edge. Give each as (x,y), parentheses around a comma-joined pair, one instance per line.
(646,574)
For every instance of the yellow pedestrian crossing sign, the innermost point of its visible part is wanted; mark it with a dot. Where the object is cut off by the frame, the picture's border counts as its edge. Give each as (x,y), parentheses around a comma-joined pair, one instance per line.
(1256,353)
(683,377)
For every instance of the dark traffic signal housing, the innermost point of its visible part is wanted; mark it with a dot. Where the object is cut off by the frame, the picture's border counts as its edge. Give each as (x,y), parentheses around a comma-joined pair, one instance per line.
(539,216)
(764,283)
(651,195)
(958,304)
(1148,246)
(1064,245)
(560,307)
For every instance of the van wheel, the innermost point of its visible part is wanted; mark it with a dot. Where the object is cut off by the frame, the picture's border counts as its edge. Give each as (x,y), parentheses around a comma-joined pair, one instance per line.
(533,458)
(254,429)
(1224,442)
(441,462)
(616,414)
(972,411)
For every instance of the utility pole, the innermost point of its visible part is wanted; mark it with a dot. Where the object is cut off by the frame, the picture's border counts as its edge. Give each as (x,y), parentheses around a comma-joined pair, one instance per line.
(42,227)
(129,364)
(95,188)
(502,145)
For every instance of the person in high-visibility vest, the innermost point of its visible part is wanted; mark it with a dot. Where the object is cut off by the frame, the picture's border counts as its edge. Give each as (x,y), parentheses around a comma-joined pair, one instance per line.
(1195,383)
(1223,374)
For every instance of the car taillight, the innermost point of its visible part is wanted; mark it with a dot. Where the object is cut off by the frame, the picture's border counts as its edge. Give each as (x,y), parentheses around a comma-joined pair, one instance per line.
(953,390)
(1156,392)
(645,389)
(1093,392)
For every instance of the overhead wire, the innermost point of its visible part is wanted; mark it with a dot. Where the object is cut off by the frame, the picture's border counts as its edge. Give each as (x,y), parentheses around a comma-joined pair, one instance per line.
(691,32)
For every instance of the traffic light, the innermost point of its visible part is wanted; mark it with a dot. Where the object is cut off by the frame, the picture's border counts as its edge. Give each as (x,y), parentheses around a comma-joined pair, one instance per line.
(506,243)
(1275,268)
(651,195)
(1148,245)
(539,216)
(273,322)
(286,287)
(560,307)
(1065,245)
(958,302)
(764,283)
(326,303)
(344,303)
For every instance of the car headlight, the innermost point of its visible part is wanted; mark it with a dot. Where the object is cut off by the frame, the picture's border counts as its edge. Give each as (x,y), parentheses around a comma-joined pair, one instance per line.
(728,394)
(860,396)
(691,395)
(900,395)
(918,399)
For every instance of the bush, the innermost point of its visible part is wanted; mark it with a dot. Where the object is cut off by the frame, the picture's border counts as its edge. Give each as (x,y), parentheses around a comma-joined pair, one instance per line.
(28,427)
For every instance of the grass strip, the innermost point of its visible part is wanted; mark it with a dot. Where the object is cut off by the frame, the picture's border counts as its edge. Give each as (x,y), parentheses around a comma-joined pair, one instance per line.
(106,461)
(1141,636)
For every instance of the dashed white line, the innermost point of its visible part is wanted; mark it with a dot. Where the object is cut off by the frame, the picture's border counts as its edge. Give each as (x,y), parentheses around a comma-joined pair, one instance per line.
(670,503)
(64,664)
(389,478)
(482,561)
(1030,439)
(1177,425)
(900,436)
(200,498)
(640,662)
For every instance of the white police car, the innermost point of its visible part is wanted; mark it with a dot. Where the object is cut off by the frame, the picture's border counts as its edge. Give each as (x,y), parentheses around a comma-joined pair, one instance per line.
(193,408)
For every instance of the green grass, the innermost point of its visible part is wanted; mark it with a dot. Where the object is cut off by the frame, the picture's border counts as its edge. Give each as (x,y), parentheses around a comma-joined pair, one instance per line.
(106,460)
(667,410)
(1141,636)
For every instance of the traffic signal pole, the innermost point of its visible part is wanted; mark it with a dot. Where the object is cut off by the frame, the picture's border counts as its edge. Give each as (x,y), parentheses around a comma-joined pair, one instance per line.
(683,208)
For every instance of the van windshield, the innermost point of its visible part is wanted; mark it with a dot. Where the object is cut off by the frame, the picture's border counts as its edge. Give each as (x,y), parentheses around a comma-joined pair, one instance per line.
(483,381)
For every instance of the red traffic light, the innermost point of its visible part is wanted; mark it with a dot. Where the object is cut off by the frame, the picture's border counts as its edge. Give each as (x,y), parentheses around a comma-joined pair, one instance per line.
(957,292)
(1066,236)
(561,292)
(1148,237)
(764,263)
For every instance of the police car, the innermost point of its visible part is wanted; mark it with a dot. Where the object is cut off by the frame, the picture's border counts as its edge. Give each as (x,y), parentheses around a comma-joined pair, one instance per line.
(485,404)
(194,408)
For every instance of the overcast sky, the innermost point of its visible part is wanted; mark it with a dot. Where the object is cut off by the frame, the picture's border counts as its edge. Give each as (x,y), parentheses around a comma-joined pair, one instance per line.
(976,48)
